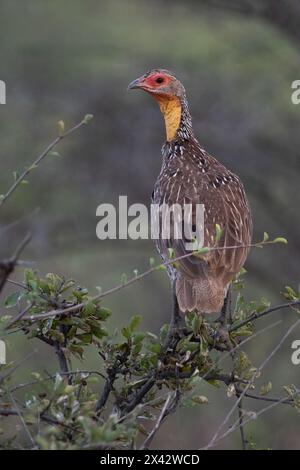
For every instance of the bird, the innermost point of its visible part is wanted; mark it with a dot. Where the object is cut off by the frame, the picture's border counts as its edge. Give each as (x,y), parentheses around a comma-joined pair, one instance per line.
(189,174)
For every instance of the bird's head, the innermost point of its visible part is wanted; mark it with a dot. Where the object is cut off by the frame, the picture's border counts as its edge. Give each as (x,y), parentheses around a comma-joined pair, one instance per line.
(168,91)
(159,82)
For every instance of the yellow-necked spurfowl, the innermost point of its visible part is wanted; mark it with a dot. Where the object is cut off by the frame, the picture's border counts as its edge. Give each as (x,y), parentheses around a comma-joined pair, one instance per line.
(190,175)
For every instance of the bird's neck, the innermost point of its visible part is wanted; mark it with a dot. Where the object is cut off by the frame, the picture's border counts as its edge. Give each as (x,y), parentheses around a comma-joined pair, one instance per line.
(177,117)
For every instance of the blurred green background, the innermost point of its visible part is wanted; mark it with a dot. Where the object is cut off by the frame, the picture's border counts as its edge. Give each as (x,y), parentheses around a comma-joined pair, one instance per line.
(62,60)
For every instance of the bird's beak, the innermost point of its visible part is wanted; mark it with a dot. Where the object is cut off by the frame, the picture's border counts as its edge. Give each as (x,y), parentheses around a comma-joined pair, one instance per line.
(136,84)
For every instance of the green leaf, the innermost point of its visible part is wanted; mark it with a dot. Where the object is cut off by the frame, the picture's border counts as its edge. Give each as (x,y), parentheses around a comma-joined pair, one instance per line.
(138,338)
(280,240)
(103,313)
(266,237)
(196,323)
(202,251)
(99,332)
(13,299)
(126,332)
(290,293)
(87,118)
(61,127)
(196,400)
(242,364)
(135,322)
(32,167)
(219,232)
(155,348)
(214,383)
(161,267)
(265,389)
(76,349)
(55,154)
(85,338)
(89,309)
(58,381)
(57,335)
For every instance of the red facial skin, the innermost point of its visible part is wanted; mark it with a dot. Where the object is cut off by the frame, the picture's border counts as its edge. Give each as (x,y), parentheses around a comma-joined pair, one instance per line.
(156,81)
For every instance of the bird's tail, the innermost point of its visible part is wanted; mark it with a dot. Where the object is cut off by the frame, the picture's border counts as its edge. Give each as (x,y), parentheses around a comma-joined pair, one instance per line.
(202,295)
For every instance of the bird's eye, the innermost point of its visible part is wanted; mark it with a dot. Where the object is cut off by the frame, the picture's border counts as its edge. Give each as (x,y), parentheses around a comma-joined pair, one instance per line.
(159,80)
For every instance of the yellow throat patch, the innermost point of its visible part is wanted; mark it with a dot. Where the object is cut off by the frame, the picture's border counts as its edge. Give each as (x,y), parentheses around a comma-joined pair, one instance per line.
(171,109)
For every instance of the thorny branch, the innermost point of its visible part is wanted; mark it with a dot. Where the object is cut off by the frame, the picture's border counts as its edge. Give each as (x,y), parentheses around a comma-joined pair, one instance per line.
(8,266)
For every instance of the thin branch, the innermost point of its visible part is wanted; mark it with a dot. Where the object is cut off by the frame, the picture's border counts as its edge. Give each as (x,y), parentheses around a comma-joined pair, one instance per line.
(19,221)
(16,283)
(233,353)
(38,160)
(163,414)
(110,380)
(22,420)
(19,316)
(16,366)
(63,364)
(242,425)
(5,411)
(256,316)
(139,396)
(7,266)
(100,296)
(283,400)
(52,377)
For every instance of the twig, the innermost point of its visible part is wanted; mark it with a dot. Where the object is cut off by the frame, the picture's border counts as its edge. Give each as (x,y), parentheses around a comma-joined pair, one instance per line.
(52,377)
(22,419)
(109,384)
(63,364)
(5,411)
(140,395)
(16,283)
(242,425)
(288,401)
(159,422)
(256,316)
(16,366)
(17,222)
(7,266)
(175,318)
(38,160)
(233,353)
(19,316)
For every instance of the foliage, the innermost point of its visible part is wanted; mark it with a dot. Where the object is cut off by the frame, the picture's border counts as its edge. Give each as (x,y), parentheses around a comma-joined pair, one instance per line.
(139,372)
(142,378)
